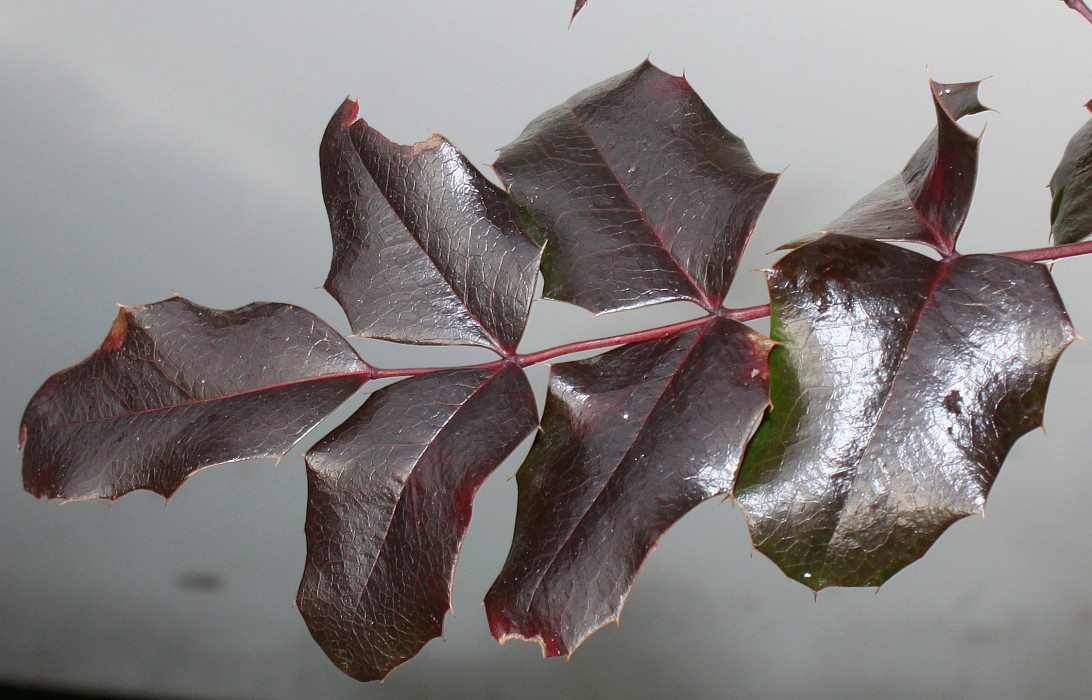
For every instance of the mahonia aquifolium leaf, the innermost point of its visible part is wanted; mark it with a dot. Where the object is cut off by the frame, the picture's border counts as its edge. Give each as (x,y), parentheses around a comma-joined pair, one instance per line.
(1071,187)
(639,193)
(899,385)
(426,250)
(631,441)
(928,201)
(177,387)
(389,499)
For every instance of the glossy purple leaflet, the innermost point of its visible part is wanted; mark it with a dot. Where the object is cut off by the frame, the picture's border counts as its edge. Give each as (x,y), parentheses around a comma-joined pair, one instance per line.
(426,250)
(389,496)
(899,386)
(177,387)
(928,201)
(631,440)
(641,195)
(1071,187)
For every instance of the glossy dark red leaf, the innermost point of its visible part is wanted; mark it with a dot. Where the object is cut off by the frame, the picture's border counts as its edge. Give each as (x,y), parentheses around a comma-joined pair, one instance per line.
(899,386)
(426,250)
(928,201)
(389,496)
(641,195)
(579,6)
(1071,187)
(631,440)
(177,387)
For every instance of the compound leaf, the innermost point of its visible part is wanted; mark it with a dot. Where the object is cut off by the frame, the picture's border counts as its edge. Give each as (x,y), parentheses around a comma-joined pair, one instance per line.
(631,440)
(928,201)
(426,250)
(641,195)
(1071,188)
(389,496)
(177,387)
(899,385)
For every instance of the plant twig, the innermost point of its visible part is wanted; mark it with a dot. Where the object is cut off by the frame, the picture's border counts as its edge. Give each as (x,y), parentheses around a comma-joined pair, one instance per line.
(1080,7)
(1052,253)
(745,314)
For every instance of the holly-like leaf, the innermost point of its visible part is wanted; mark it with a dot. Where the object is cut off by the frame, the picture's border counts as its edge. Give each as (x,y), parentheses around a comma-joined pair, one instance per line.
(928,201)
(1071,187)
(177,387)
(642,196)
(631,440)
(426,250)
(389,495)
(899,386)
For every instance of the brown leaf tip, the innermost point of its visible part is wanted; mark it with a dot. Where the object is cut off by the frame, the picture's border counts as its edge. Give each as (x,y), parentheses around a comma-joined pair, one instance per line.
(119,330)
(347,112)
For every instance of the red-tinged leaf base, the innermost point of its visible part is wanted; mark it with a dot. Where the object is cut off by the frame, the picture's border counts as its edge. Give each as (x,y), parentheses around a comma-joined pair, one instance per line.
(899,385)
(389,496)
(631,440)
(176,387)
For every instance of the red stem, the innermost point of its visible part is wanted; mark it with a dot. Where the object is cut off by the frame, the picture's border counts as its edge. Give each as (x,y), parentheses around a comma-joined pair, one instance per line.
(1053,253)
(533,358)
(1080,7)
(747,314)
(635,337)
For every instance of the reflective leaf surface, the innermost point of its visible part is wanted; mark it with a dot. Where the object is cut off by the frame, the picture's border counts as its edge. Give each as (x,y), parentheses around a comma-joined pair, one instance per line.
(177,387)
(928,201)
(426,250)
(900,385)
(641,194)
(389,497)
(631,440)
(1071,188)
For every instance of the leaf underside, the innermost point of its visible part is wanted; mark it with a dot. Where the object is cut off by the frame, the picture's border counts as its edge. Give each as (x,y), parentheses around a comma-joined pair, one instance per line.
(631,440)
(389,500)
(177,387)
(425,249)
(1071,189)
(928,201)
(899,386)
(640,194)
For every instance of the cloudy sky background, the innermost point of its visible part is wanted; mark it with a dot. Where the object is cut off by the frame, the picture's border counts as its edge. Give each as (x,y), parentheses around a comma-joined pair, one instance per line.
(158,147)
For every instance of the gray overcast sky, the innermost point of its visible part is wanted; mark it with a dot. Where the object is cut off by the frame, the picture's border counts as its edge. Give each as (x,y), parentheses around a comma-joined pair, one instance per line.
(157,147)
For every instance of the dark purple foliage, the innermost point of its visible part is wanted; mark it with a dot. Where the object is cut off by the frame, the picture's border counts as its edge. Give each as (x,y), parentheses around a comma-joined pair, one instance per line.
(177,387)
(631,441)
(879,413)
(426,250)
(898,387)
(389,496)
(639,193)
